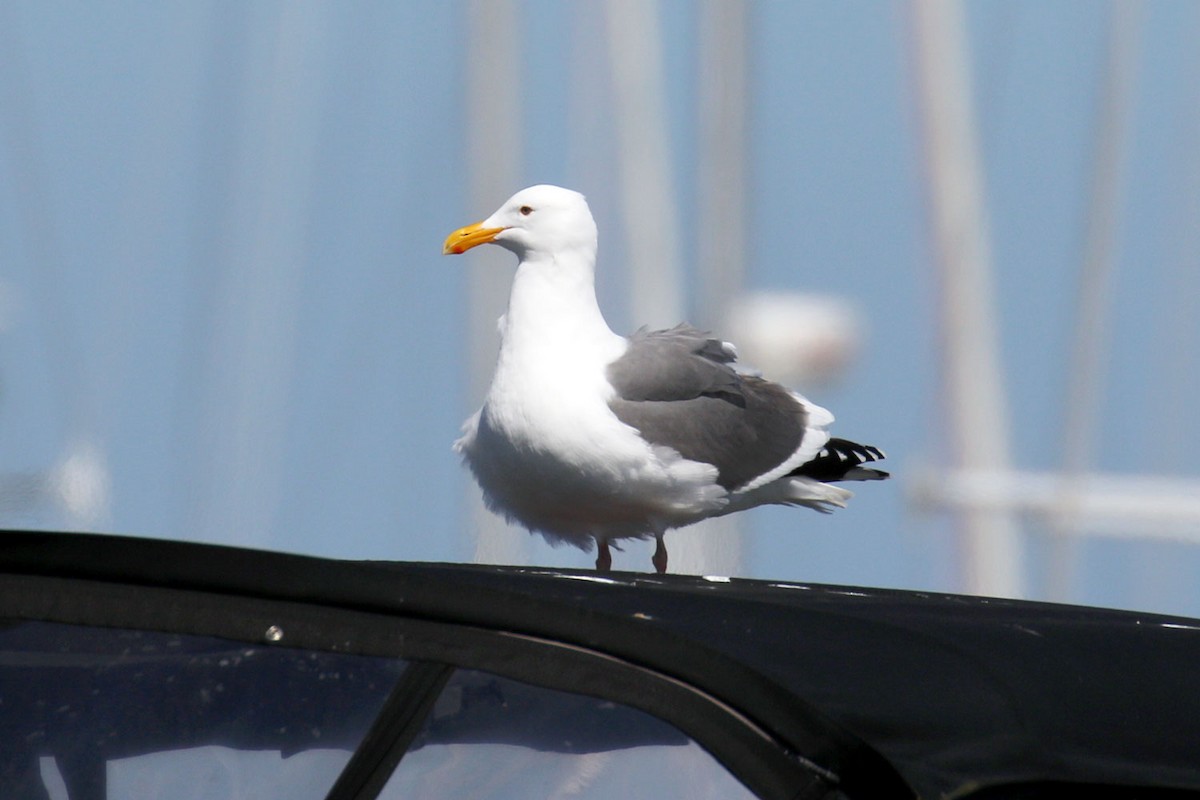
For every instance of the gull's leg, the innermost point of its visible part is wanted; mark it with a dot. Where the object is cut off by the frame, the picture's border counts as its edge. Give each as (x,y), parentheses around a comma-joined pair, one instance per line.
(659,559)
(603,556)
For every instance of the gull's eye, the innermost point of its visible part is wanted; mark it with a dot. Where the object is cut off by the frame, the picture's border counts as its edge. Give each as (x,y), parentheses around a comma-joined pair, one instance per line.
(526,211)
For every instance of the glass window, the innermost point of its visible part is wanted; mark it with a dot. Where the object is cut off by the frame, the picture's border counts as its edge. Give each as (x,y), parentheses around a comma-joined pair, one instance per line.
(95,712)
(495,738)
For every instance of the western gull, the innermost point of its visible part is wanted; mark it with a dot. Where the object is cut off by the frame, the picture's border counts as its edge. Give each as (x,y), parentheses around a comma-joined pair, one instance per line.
(589,437)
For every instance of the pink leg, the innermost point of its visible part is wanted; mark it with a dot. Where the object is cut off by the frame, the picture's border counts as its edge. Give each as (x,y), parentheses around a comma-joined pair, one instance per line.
(659,559)
(603,556)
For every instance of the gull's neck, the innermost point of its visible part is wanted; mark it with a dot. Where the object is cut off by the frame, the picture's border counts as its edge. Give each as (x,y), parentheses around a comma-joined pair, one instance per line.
(553,317)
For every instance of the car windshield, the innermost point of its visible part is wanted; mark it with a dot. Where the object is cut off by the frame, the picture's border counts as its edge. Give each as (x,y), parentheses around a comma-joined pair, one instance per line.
(95,713)
(492,738)
(89,713)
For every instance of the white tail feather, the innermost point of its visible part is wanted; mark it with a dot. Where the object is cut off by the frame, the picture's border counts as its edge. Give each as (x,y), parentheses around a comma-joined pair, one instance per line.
(795,490)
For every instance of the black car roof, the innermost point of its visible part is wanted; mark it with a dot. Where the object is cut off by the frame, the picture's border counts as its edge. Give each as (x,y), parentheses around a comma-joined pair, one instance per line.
(951,693)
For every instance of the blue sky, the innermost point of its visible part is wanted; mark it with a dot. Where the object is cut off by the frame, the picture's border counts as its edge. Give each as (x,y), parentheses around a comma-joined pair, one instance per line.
(219,259)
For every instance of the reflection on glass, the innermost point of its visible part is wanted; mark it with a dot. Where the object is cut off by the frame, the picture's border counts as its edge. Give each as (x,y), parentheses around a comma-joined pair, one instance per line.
(99,712)
(495,738)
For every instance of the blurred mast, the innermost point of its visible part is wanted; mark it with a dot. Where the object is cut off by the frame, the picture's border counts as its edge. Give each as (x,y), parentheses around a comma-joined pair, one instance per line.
(1086,371)
(649,209)
(1076,500)
(649,200)
(722,87)
(249,360)
(493,159)
(970,351)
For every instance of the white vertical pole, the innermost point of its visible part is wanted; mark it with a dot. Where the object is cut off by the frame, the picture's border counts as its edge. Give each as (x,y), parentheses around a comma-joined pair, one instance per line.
(649,209)
(1085,384)
(721,252)
(651,222)
(971,362)
(493,156)
(722,88)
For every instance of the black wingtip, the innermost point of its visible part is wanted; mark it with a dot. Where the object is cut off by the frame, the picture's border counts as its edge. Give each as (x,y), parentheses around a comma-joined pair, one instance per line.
(842,460)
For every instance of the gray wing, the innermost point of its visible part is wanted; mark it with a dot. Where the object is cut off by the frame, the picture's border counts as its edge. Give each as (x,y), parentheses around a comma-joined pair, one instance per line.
(675,364)
(677,388)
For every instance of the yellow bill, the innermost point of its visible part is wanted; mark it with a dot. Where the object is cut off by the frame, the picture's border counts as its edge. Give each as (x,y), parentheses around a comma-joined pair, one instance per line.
(464,239)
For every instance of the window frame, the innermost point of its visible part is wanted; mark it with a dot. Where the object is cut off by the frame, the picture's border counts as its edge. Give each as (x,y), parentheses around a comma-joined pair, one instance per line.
(433,649)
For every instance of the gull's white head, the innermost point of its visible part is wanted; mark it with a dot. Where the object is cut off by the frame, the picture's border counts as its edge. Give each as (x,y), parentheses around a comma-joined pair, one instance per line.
(542,219)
